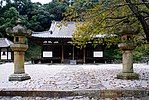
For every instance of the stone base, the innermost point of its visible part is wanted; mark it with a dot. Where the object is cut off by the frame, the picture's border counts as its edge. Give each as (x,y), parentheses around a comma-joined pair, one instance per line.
(19,77)
(128,76)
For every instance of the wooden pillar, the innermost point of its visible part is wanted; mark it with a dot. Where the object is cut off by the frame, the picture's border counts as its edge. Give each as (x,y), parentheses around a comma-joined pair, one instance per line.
(0,53)
(7,54)
(62,59)
(84,55)
(73,53)
(42,49)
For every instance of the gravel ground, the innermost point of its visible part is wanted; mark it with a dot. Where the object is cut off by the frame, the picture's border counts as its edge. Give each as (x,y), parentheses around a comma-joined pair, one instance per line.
(70,77)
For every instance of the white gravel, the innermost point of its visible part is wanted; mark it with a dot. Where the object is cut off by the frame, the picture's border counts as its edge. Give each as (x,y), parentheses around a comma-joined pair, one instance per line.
(68,77)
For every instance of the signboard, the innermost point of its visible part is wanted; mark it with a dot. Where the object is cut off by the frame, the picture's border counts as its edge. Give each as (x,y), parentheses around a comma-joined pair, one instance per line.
(98,54)
(47,54)
(73,62)
(3,55)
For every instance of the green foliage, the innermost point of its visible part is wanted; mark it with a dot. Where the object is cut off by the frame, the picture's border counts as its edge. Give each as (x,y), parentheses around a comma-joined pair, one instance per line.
(137,55)
(141,53)
(113,53)
(35,16)
(107,17)
(34,51)
(8,19)
(78,10)
(56,9)
(38,18)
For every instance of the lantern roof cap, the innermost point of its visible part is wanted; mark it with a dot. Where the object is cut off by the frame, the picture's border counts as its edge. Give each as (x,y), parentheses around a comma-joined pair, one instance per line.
(127,29)
(19,30)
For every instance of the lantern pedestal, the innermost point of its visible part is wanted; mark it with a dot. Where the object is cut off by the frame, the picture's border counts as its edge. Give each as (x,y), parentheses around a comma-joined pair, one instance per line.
(19,72)
(128,76)
(19,77)
(127,72)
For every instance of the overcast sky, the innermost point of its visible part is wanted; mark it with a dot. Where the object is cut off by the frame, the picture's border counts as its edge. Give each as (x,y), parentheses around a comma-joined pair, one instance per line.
(42,1)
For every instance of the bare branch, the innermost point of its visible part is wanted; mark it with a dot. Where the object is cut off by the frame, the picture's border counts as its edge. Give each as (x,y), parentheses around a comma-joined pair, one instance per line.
(140,18)
(120,17)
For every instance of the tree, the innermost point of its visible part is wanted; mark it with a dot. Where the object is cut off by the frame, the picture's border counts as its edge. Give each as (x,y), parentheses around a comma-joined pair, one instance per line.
(141,15)
(38,17)
(56,9)
(8,19)
(107,17)
(35,16)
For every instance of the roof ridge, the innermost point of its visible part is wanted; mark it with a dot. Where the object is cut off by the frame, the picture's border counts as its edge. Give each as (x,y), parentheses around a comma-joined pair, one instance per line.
(7,41)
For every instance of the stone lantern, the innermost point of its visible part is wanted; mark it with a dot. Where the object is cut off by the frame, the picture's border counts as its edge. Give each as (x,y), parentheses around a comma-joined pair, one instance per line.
(19,47)
(127,47)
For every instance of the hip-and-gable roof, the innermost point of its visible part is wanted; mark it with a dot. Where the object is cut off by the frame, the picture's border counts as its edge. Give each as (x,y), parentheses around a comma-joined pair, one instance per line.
(57,30)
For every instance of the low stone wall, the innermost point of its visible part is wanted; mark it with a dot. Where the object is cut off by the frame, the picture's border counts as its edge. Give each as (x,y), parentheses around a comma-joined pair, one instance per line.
(86,93)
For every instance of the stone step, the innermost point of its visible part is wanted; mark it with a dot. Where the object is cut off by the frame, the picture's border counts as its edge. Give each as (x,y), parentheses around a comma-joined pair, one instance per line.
(138,93)
(70,98)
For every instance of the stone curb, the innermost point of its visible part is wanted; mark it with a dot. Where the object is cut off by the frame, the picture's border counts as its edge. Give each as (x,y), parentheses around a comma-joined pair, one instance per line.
(89,92)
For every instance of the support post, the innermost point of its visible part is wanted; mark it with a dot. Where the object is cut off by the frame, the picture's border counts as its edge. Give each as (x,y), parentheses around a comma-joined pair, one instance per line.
(7,54)
(0,53)
(62,59)
(73,53)
(84,55)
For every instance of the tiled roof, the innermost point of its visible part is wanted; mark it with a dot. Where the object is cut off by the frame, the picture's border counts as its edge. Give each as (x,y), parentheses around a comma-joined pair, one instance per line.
(64,31)
(4,42)
(57,31)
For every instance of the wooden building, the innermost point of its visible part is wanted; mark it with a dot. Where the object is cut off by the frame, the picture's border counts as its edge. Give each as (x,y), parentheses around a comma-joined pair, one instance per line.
(57,47)
(6,53)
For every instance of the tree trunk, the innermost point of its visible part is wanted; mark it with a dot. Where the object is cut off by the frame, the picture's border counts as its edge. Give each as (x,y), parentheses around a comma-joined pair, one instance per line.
(140,18)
